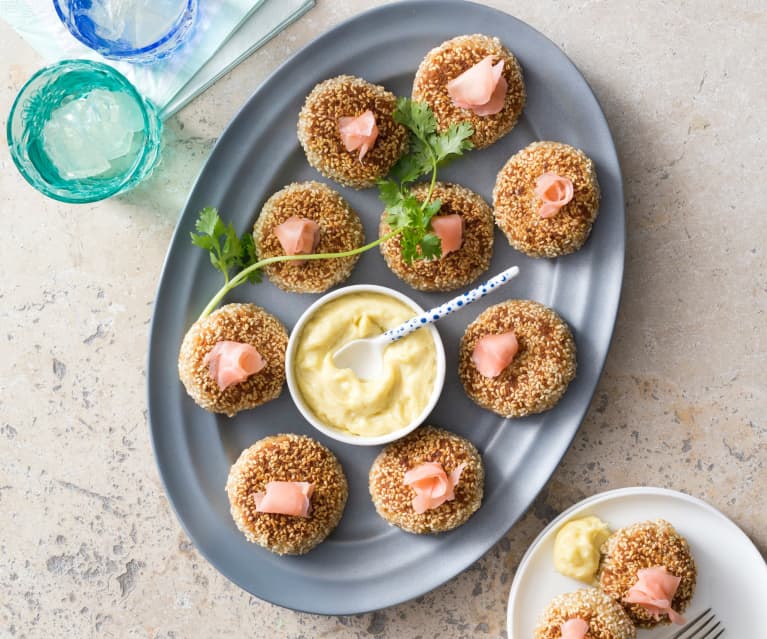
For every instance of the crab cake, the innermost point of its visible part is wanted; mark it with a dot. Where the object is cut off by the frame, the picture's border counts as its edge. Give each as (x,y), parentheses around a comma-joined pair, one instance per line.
(604,617)
(318,131)
(649,544)
(449,60)
(541,369)
(287,458)
(460,267)
(244,324)
(517,206)
(340,230)
(446,453)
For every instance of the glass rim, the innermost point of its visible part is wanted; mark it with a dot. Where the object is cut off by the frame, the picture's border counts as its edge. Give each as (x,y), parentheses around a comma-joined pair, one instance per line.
(124,53)
(42,185)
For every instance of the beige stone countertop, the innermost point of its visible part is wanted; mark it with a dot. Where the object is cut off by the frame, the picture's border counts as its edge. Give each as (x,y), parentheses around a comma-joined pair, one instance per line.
(89,546)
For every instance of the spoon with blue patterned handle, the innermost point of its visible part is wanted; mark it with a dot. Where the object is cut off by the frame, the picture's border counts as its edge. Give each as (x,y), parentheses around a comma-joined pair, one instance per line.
(365,356)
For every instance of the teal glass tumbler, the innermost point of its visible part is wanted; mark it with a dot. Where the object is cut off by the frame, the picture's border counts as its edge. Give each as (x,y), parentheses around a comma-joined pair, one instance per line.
(78,131)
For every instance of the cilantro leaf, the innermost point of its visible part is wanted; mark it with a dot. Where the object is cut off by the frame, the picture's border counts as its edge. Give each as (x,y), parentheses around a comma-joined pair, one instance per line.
(420,119)
(248,256)
(416,116)
(235,252)
(203,241)
(430,247)
(232,246)
(413,164)
(397,217)
(207,220)
(389,193)
(430,209)
(453,142)
(408,169)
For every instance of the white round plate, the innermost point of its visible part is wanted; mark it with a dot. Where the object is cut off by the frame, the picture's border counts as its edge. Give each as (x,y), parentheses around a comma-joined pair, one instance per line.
(732,575)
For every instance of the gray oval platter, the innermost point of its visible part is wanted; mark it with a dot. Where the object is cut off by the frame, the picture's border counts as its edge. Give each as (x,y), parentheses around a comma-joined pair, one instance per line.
(366,564)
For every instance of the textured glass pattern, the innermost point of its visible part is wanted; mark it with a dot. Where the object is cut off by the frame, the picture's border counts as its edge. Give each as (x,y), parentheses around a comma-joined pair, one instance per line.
(79,132)
(139,31)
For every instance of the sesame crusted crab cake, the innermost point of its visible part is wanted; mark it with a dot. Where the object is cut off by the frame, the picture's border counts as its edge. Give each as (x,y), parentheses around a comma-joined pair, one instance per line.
(217,363)
(374,141)
(532,221)
(630,552)
(593,610)
(259,488)
(457,267)
(451,59)
(338,226)
(527,376)
(428,482)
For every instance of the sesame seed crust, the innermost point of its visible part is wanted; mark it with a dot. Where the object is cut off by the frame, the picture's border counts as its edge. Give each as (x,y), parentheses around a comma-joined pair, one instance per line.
(541,370)
(460,267)
(340,230)
(287,458)
(645,545)
(606,618)
(393,500)
(516,204)
(451,59)
(348,96)
(244,323)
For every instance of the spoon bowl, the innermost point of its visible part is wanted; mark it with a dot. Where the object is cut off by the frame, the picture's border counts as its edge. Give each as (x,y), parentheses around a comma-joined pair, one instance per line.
(363,356)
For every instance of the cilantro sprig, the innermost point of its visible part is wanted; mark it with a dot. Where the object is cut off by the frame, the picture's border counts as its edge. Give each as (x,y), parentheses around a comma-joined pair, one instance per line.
(235,252)
(407,216)
(429,150)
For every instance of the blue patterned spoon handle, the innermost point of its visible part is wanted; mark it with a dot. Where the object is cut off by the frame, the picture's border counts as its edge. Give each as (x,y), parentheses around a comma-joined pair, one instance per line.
(435,314)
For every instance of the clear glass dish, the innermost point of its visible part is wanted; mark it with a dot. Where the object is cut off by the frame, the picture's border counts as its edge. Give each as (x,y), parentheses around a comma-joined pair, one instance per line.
(141,31)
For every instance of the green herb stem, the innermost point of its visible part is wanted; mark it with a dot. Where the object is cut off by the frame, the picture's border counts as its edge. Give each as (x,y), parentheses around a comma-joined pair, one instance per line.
(433,182)
(242,276)
(434,164)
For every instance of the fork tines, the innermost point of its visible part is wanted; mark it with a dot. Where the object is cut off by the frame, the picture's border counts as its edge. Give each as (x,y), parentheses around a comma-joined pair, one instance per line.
(701,628)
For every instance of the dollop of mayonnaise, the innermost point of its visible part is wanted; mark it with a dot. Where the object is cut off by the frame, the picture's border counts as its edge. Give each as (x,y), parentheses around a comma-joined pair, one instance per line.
(576,547)
(336,395)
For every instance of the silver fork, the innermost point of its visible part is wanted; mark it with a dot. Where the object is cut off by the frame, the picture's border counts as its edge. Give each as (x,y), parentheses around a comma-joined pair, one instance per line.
(700,627)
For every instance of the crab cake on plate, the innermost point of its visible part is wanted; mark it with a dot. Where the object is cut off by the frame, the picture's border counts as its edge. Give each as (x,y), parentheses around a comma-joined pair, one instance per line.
(648,562)
(428,482)
(467,241)
(446,65)
(546,198)
(517,358)
(287,493)
(590,611)
(234,359)
(348,133)
(316,210)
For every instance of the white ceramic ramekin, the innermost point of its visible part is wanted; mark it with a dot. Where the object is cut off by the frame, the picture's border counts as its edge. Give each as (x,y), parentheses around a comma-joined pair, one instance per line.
(348,438)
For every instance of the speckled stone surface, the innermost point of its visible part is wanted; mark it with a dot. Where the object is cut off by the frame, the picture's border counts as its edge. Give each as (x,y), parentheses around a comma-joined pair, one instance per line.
(88,544)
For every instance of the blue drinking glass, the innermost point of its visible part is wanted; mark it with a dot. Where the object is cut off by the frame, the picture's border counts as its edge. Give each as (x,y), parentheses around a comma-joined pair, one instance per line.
(139,31)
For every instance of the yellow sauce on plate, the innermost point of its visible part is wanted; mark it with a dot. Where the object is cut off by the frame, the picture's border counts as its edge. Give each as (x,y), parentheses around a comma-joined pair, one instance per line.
(576,547)
(337,396)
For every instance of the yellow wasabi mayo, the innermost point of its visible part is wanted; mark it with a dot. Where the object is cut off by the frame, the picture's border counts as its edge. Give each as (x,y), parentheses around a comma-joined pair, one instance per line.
(337,396)
(576,547)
